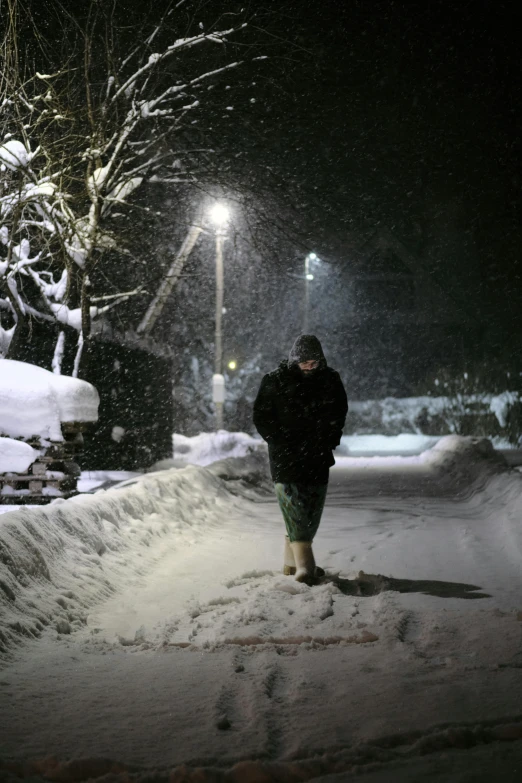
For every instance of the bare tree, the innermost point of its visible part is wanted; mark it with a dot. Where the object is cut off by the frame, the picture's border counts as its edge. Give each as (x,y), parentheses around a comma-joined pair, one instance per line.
(78,142)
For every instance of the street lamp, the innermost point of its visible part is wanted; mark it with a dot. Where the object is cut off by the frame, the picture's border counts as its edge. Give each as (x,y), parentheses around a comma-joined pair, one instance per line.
(219,214)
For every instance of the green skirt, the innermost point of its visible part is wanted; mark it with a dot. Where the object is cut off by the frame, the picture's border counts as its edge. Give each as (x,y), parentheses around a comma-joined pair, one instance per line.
(302,506)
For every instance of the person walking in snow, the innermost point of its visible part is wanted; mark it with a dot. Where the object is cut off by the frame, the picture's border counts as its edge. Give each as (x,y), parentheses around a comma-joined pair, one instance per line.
(300,411)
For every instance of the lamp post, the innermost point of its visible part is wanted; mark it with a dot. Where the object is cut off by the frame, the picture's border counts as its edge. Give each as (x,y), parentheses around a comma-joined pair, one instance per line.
(307,276)
(219,215)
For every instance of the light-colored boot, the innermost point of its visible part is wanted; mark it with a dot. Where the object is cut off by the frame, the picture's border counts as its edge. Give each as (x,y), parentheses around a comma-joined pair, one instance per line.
(289,560)
(304,561)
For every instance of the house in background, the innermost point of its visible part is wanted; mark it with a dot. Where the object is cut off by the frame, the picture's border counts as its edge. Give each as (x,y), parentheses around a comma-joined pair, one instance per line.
(401,325)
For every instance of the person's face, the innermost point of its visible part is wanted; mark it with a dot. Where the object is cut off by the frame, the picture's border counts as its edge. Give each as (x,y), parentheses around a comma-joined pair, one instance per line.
(308,367)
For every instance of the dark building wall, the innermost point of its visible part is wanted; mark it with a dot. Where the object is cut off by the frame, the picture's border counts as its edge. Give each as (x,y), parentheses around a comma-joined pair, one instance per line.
(135,389)
(135,427)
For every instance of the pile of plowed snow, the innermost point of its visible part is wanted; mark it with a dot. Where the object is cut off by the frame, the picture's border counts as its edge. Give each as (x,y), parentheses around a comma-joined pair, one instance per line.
(208,447)
(57,561)
(459,465)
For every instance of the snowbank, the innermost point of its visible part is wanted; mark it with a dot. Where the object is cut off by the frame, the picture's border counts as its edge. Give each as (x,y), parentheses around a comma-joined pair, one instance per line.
(406,444)
(58,560)
(463,458)
(34,402)
(209,447)
(15,456)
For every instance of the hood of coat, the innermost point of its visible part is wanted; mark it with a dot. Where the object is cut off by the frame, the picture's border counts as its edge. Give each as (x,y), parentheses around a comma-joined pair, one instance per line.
(306,348)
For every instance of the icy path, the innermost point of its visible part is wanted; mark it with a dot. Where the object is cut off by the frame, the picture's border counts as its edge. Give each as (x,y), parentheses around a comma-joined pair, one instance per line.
(210,656)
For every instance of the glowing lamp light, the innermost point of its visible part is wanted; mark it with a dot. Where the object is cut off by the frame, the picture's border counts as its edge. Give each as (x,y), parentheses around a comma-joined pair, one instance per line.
(312,256)
(232,365)
(219,214)
(309,277)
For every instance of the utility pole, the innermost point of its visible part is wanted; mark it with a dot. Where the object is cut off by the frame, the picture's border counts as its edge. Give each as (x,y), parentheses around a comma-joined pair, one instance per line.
(307,295)
(168,282)
(219,215)
(218,338)
(307,277)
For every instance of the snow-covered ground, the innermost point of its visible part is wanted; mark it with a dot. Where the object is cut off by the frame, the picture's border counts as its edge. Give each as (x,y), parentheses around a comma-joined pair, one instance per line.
(206,448)
(149,626)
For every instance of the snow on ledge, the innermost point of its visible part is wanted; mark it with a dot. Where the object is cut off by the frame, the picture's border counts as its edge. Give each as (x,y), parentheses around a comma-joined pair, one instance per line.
(16,456)
(34,401)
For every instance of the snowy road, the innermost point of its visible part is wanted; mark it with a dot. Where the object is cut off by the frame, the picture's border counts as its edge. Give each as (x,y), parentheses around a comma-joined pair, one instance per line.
(209,656)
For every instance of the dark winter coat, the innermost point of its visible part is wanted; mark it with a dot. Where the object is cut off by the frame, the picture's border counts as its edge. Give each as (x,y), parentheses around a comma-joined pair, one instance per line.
(302,419)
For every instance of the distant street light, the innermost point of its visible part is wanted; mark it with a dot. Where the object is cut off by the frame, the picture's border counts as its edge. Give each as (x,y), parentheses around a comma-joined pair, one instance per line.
(219,214)
(232,365)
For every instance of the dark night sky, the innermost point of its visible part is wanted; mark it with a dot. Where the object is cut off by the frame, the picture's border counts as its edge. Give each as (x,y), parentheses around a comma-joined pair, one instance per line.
(377,113)
(368,113)
(404,114)
(397,114)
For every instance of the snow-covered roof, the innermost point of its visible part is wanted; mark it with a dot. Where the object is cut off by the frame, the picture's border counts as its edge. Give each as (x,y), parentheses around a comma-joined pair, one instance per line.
(34,401)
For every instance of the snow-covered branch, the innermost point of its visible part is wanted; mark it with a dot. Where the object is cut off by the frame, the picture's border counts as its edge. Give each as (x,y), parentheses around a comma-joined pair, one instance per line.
(177,46)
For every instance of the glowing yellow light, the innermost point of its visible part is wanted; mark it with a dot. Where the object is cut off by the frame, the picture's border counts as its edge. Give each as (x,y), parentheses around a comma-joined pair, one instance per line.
(232,365)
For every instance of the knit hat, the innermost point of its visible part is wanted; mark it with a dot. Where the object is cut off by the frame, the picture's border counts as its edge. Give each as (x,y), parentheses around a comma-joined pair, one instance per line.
(305,349)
